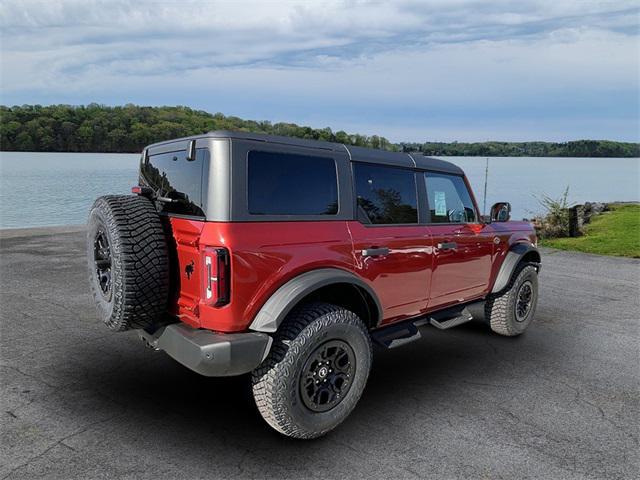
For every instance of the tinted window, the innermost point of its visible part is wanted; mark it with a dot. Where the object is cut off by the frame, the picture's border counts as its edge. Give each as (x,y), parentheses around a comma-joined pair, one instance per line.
(449,199)
(171,175)
(385,195)
(287,184)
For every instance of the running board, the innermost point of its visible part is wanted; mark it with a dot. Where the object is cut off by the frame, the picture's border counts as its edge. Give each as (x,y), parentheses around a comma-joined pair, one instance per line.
(395,336)
(398,334)
(464,317)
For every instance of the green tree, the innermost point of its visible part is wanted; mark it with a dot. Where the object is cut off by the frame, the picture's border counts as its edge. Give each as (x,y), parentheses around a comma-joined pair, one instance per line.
(128,128)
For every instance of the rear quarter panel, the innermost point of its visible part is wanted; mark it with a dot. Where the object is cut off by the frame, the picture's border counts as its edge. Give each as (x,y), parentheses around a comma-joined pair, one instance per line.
(264,256)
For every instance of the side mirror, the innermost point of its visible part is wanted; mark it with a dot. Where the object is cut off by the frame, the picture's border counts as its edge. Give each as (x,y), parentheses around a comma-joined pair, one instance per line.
(500,212)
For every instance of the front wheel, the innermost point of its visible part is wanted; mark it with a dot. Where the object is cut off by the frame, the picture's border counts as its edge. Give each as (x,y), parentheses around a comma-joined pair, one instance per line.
(510,312)
(316,371)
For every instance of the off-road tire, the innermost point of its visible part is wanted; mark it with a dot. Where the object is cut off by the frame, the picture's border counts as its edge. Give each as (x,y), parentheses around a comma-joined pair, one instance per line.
(277,381)
(500,309)
(139,262)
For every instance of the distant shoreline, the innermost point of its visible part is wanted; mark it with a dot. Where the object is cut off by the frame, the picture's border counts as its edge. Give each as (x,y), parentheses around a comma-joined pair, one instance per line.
(449,156)
(98,128)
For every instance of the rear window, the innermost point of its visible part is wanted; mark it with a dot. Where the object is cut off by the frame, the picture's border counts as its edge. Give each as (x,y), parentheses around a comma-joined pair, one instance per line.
(289,184)
(386,195)
(171,175)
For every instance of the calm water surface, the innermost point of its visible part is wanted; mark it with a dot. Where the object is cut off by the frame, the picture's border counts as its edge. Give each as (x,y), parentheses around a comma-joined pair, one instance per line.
(40,189)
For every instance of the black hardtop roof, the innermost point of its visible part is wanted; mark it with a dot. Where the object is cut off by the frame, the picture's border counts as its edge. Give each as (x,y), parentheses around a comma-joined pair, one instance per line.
(360,154)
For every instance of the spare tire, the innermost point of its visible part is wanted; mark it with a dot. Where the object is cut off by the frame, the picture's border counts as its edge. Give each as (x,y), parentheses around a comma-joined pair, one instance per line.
(128,262)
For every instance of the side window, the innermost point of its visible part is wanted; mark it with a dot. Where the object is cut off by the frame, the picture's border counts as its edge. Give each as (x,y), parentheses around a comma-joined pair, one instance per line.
(449,199)
(385,195)
(287,184)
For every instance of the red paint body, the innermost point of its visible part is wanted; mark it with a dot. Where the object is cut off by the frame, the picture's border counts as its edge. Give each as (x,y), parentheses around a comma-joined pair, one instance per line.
(416,277)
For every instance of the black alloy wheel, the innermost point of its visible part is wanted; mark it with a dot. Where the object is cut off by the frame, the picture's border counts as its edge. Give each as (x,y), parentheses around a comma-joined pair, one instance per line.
(102,262)
(523,301)
(326,376)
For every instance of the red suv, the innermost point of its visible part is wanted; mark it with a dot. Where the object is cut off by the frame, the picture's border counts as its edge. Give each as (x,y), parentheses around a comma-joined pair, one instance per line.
(290,258)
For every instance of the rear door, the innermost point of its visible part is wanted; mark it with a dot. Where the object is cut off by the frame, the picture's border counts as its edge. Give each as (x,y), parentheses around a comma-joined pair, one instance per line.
(391,250)
(462,246)
(171,173)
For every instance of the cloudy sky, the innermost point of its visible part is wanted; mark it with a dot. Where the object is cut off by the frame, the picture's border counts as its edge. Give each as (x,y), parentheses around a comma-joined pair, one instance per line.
(408,70)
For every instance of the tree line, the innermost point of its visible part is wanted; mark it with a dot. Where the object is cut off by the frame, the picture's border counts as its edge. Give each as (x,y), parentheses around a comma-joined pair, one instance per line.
(127,129)
(577,148)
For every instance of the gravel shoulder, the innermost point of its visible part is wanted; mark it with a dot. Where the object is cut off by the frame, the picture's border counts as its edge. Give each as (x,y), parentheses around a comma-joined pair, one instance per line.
(562,401)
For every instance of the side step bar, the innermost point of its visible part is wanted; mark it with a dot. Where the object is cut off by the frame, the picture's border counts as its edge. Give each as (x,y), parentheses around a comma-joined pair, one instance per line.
(396,335)
(405,332)
(464,317)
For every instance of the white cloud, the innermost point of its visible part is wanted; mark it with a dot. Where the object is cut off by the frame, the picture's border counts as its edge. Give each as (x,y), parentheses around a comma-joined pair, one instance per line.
(418,57)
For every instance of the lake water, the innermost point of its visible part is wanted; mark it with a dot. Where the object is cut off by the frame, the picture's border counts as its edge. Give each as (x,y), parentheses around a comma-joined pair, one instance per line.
(41,189)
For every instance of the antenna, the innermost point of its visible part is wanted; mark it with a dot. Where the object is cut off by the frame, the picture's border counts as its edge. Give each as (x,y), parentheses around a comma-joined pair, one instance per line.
(486,176)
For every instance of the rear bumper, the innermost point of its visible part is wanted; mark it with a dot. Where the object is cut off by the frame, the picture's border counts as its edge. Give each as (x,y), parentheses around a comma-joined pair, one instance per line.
(209,353)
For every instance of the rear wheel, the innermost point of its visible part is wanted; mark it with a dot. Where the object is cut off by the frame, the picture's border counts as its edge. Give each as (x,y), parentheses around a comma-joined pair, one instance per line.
(510,312)
(128,262)
(316,371)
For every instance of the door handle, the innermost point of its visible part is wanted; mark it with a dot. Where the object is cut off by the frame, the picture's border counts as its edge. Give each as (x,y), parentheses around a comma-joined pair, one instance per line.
(375,251)
(447,246)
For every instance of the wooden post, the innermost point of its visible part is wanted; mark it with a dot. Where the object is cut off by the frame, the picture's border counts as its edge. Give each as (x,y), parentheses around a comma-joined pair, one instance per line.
(574,224)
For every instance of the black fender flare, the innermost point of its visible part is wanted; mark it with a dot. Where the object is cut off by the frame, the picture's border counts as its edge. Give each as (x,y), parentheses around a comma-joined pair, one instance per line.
(276,308)
(511,261)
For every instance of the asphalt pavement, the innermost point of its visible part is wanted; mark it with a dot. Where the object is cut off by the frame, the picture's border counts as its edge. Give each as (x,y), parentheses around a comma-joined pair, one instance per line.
(561,401)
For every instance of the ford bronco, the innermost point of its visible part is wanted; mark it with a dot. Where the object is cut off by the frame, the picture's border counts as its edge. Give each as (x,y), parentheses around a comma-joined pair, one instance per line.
(289,259)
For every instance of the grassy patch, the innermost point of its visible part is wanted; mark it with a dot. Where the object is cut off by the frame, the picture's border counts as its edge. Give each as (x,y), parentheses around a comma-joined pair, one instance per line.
(611,233)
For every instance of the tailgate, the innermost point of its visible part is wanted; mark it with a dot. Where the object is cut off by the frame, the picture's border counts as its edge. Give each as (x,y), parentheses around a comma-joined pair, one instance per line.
(186,269)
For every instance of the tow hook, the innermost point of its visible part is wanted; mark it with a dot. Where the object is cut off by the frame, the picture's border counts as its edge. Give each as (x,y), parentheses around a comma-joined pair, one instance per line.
(150,340)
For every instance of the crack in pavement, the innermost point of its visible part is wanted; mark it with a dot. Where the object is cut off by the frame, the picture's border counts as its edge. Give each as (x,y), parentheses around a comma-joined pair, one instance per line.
(60,442)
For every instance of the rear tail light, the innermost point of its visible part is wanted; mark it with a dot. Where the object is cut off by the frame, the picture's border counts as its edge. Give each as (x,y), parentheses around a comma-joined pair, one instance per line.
(216,276)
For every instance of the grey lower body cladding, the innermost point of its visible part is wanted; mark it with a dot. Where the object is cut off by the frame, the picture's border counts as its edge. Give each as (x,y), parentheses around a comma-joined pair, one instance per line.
(210,353)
